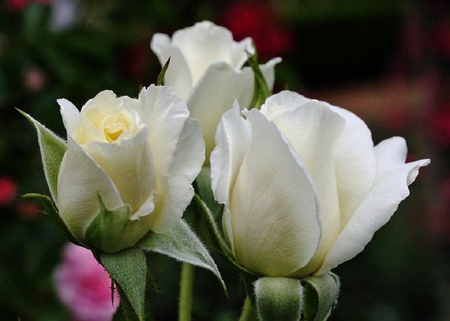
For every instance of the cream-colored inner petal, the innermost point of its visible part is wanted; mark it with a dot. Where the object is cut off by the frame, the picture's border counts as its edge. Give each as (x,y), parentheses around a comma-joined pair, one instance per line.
(114,125)
(109,127)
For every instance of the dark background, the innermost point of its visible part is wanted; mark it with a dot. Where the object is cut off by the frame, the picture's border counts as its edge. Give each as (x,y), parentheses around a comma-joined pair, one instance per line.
(387,60)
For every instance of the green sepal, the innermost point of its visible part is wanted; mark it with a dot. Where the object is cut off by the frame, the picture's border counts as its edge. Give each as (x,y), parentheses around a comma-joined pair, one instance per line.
(216,236)
(128,269)
(278,298)
(261,91)
(321,294)
(182,244)
(53,214)
(160,79)
(52,150)
(108,230)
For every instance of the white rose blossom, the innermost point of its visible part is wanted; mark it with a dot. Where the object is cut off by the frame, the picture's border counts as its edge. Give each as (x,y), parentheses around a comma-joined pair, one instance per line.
(206,71)
(139,156)
(303,185)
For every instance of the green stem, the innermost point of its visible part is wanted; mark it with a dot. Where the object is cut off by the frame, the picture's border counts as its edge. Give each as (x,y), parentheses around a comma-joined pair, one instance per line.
(186,287)
(247,311)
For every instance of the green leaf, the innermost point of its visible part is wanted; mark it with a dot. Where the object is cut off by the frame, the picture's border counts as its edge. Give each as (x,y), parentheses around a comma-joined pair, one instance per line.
(321,293)
(261,91)
(278,298)
(53,214)
(52,150)
(124,312)
(182,244)
(216,236)
(128,269)
(161,75)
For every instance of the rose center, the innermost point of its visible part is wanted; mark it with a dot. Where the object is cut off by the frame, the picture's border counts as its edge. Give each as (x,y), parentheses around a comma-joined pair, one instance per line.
(114,126)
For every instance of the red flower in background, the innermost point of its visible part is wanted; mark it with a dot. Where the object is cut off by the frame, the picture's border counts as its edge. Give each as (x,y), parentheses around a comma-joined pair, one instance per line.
(8,190)
(135,61)
(258,21)
(19,5)
(28,209)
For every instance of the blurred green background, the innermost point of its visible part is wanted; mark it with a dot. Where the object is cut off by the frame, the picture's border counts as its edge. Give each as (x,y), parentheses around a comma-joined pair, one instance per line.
(387,60)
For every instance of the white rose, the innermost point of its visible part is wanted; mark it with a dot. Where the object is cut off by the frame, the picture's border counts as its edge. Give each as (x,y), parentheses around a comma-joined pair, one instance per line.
(206,71)
(304,187)
(136,156)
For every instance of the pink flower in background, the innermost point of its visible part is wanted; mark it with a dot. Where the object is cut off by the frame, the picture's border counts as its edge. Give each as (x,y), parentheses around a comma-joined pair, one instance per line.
(19,5)
(84,286)
(34,79)
(8,190)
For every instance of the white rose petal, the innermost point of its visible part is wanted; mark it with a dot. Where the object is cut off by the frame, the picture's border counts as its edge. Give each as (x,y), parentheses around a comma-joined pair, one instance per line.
(285,185)
(79,176)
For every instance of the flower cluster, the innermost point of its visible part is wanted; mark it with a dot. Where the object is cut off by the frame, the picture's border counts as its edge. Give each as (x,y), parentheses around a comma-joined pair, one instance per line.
(302,185)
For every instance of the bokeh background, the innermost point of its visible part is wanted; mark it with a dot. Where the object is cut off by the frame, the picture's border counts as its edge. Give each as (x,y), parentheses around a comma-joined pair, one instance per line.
(386,60)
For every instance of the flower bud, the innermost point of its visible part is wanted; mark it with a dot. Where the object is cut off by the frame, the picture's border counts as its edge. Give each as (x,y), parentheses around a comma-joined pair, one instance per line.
(303,185)
(128,168)
(206,71)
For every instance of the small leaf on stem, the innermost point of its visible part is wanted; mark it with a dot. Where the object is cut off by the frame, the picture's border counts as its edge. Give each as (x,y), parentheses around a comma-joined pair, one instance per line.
(182,244)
